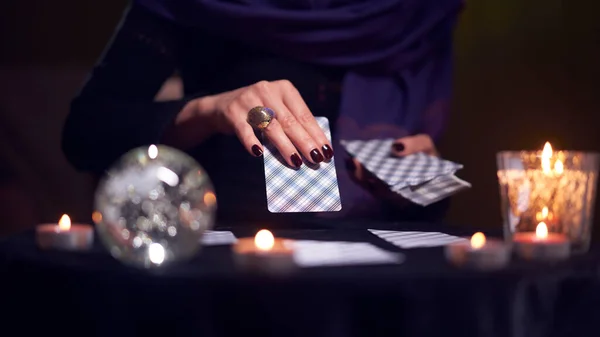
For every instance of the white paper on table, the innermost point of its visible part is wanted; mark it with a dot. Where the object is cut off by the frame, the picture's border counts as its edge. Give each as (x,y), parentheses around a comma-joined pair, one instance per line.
(412,239)
(335,253)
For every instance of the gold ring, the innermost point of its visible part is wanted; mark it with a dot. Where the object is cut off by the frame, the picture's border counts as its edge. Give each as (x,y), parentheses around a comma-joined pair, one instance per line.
(260,117)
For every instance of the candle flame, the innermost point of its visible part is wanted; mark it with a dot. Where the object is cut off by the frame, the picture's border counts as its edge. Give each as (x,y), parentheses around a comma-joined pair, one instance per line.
(547,151)
(264,240)
(545,212)
(546,155)
(559,167)
(64,224)
(541,231)
(477,240)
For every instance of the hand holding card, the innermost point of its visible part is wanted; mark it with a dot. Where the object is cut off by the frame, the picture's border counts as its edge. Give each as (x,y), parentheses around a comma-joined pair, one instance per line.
(309,188)
(419,177)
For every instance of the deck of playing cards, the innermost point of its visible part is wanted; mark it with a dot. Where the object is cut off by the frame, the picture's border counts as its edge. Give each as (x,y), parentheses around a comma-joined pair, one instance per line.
(420,178)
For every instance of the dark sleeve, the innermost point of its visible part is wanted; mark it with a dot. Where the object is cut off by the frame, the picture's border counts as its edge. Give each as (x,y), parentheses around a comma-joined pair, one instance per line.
(115,110)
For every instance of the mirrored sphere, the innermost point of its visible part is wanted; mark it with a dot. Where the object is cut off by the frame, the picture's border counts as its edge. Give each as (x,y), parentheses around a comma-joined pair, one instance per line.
(153,206)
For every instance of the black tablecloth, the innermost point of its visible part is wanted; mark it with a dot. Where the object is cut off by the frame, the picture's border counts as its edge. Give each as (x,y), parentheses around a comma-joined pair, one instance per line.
(91,294)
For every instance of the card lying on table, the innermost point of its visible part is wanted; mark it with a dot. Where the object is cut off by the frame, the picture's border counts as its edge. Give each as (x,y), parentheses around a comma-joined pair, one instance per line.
(217,238)
(416,239)
(420,178)
(311,188)
(331,253)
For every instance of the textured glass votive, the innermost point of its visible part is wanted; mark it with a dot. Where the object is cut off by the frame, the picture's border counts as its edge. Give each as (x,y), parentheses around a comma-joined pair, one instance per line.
(548,195)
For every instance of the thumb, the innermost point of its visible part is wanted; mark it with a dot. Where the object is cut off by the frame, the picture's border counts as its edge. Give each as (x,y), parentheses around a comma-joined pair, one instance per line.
(412,144)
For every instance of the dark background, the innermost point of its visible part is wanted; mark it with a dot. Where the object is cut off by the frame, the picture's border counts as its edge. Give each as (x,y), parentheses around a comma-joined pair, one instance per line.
(526,72)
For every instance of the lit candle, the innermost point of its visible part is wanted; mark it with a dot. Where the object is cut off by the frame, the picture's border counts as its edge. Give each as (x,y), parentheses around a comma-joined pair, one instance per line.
(64,235)
(547,217)
(478,253)
(541,245)
(264,252)
(549,186)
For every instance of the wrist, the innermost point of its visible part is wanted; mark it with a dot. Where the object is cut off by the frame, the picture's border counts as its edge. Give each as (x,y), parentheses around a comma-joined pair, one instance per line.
(193,125)
(205,112)
(193,110)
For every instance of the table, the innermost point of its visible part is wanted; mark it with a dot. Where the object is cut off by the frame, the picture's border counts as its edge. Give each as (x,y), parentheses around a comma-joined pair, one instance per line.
(90,294)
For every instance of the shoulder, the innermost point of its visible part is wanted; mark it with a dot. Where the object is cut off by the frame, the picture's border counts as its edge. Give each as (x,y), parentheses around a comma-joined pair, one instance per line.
(137,17)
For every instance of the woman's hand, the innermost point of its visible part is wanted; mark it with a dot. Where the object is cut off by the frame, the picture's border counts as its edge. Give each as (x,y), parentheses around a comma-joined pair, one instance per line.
(401,147)
(372,184)
(413,144)
(293,131)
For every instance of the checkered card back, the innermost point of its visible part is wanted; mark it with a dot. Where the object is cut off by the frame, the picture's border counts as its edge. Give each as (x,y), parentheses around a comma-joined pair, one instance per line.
(415,169)
(434,190)
(407,240)
(311,188)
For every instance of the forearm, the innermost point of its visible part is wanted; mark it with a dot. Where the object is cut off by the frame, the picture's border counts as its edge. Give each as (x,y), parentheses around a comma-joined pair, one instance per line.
(98,130)
(115,110)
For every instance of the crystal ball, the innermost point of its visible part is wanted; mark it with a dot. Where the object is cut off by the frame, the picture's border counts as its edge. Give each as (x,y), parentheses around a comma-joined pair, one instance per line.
(153,206)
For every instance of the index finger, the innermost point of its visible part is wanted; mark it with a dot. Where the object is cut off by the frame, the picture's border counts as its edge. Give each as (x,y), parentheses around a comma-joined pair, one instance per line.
(295,103)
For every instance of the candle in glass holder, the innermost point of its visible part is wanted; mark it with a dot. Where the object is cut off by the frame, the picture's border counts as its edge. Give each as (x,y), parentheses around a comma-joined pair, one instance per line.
(557,188)
(541,245)
(264,252)
(478,253)
(64,235)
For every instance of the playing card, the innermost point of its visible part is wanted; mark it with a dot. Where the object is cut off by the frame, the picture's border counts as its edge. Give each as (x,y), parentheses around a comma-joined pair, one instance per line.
(311,188)
(216,238)
(375,156)
(332,253)
(411,239)
(434,190)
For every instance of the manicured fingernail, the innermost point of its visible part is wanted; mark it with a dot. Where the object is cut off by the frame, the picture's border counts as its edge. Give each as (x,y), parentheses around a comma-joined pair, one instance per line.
(399,147)
(316,156)
(327,151)
(257,150)
(296,160)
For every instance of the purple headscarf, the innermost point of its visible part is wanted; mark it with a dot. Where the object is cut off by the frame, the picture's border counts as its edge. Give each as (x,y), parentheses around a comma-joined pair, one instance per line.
(398,52)
(388,44)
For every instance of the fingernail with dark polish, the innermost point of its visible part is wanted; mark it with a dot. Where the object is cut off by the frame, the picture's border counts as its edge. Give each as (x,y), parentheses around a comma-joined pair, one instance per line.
(316,156)
(399,147)
(296,160)
(327,151)
(257,150)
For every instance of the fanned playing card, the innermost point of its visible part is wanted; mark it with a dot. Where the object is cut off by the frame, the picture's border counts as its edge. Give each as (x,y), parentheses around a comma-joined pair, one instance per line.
(311,188)
(415,169)
(434,190)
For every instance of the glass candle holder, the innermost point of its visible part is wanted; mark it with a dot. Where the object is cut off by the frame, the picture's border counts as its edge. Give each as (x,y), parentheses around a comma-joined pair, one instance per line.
(548,195)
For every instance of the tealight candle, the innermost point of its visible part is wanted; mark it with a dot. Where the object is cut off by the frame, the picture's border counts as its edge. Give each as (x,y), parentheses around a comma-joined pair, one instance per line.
(264,253)
(478,253)
(541,245)
(64,235)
